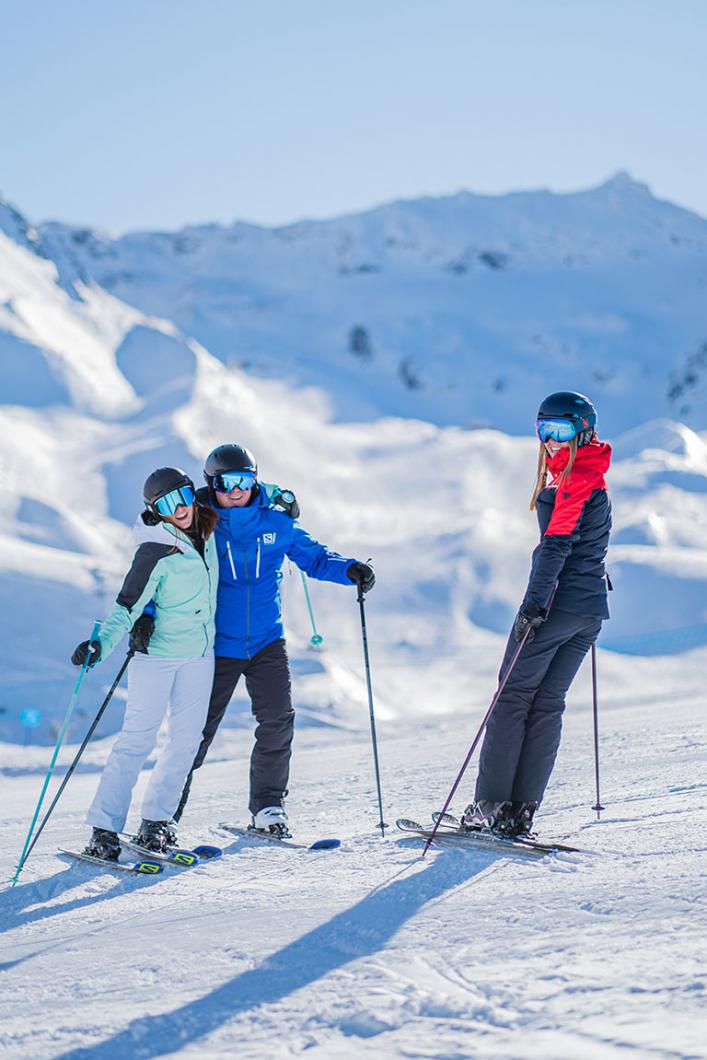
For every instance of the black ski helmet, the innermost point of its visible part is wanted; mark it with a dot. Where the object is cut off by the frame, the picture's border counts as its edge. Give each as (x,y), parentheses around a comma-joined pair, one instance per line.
(228,457)
(569,405)
(161,481)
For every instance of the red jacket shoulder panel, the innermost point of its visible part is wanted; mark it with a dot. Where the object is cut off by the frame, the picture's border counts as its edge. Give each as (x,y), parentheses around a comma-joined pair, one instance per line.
(591,463)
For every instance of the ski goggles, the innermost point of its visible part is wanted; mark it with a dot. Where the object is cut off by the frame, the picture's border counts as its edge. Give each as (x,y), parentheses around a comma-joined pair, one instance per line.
(558,430)
(182,497)
(234,480)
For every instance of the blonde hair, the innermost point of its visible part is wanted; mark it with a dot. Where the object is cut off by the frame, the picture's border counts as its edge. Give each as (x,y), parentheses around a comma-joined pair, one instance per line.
(541,477)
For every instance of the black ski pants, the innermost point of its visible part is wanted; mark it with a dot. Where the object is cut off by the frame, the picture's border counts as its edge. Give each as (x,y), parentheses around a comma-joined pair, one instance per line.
(267,678)
(524,730)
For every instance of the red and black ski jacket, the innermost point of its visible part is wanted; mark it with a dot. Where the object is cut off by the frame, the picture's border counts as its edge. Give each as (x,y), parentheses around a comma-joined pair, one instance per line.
(575,523)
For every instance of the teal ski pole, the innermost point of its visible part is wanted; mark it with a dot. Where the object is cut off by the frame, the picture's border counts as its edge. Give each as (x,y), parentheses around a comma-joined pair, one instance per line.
(59,741)
(316,639)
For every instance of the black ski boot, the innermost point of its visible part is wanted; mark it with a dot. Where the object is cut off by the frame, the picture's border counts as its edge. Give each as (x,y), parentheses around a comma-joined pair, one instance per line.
(483,814)
(156,835)
(103,844)
(517,821)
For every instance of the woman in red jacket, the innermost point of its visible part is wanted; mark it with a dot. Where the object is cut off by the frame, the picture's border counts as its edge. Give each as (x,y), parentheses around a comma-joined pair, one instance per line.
(560,617)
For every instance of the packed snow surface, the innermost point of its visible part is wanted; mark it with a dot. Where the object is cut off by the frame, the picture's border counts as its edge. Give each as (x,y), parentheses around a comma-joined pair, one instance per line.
(369,950)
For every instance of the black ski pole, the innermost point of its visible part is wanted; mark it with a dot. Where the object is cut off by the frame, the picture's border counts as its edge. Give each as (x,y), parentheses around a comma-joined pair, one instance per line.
(598,806)
(476,739)
(82,748)
(381,824)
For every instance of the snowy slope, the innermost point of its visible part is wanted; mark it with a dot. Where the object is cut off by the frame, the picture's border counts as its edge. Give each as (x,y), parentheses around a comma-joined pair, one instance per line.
(444,578)
(98,394)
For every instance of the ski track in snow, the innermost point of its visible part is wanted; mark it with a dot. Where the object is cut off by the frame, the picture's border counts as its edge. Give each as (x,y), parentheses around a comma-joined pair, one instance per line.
(370,950)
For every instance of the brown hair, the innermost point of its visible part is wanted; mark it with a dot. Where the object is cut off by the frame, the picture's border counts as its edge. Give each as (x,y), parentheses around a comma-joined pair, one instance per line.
(205,519)
(541,477)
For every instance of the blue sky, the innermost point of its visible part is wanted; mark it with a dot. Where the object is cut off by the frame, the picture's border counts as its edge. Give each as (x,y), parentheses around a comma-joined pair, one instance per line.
(157,113)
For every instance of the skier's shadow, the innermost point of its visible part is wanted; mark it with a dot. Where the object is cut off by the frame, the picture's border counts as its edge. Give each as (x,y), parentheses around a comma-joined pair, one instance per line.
(14,902)
(355,933)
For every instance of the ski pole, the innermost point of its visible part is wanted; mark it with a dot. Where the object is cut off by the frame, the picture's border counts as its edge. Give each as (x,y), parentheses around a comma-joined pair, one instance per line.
(476,739)
(59,741)
(381,824)
(316,638)
(598,806)
(82,748)
(494,701)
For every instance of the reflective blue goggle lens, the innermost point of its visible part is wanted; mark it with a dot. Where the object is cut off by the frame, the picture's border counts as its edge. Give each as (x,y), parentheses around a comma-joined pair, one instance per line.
(234,480)
(559,430)
(179,498)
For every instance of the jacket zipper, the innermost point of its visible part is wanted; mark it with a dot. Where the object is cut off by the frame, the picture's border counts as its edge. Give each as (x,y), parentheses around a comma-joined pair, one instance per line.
(247,607)
(230,560)
(208,575)
(257,560)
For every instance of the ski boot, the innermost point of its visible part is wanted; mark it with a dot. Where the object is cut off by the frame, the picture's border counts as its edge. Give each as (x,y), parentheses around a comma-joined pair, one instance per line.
(156,835)
(272,819)
(483,814)
(103,844)
(517,820)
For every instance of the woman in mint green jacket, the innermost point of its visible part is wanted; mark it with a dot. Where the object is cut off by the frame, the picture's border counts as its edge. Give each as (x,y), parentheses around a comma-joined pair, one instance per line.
(174,578)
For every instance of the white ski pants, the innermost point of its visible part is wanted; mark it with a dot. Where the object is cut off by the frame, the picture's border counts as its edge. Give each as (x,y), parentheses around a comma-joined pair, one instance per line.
(154,685)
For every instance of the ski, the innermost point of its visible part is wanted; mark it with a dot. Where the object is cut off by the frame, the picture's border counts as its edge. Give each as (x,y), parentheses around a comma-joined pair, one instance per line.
(446,818)
(527,840)
(179,857)
(147,868)
(485,840)
(268,837)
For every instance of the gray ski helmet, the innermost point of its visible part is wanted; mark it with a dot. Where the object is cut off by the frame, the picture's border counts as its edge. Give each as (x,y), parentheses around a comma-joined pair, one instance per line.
(574,407)
(161,481)
(228,457)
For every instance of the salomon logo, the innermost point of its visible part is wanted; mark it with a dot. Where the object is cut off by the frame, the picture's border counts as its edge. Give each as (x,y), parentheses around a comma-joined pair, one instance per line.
(269,539)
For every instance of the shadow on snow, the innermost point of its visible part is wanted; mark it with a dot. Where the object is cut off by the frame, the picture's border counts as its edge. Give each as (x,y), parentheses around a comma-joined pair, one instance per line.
(355,933)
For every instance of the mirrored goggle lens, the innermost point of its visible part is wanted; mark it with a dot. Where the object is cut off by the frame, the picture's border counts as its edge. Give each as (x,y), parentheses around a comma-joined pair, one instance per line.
(559,430)
(234,480)
(179,498)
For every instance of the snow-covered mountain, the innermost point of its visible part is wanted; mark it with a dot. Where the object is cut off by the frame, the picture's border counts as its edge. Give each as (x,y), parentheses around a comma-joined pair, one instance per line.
(452,310)
(351,356)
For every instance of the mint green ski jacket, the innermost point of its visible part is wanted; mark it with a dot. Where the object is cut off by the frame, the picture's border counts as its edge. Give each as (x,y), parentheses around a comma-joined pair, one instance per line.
(168,571)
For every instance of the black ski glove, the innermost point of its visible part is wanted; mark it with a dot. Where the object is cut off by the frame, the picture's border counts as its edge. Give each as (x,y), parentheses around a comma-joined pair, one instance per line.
(529,618)
(362,574)
(141,632)
(281,500)
(84,649)
(285,501)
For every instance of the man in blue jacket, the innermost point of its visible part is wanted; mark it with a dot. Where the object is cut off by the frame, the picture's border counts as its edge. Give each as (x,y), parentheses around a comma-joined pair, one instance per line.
(257,528)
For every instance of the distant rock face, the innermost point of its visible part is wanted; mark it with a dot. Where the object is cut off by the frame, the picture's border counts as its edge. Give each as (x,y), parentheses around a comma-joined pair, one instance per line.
(688,382)
(18,228)
(360,343)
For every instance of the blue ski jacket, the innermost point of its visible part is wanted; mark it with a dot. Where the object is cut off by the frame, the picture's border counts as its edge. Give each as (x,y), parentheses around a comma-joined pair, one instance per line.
(251,544)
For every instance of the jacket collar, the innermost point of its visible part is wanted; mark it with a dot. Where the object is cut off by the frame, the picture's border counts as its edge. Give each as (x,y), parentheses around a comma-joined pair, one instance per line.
(239,519)
(160,533)
(594,457)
